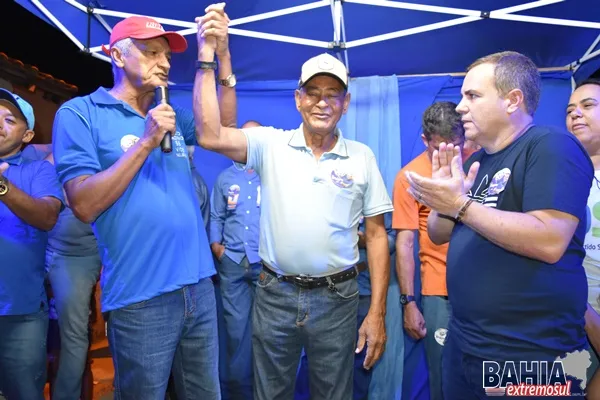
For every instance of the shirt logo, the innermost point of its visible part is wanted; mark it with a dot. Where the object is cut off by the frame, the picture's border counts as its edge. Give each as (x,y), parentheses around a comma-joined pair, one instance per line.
(233,195)
(127,141)
(499,182)
(341,179)
(179,144)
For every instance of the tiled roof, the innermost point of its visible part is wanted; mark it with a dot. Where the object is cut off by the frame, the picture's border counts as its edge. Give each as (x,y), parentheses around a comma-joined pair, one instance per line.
(20,71)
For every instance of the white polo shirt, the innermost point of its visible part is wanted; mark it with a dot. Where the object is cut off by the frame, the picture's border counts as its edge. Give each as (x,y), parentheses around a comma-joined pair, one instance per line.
(311,209)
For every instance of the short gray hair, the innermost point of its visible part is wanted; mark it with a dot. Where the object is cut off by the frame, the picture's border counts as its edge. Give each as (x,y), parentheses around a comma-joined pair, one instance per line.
(515,71)
(124,46)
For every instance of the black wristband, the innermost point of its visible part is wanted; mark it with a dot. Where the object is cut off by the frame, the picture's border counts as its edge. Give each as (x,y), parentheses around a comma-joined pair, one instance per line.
(206,65)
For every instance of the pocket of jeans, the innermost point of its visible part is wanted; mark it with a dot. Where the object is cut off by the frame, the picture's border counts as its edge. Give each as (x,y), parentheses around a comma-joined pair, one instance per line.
(266,280)
(347,290)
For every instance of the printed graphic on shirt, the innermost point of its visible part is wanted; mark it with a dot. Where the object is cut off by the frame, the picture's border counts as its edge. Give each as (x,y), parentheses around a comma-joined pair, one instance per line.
(496,187)
(341,179)
(179,145)
(127,141)
(233,195)
(486,192)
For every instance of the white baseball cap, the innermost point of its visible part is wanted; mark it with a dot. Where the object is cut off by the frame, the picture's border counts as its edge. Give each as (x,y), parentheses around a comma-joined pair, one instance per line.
(323,64)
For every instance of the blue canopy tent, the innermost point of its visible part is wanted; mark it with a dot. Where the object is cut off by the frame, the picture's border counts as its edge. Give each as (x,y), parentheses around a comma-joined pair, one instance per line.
(402,57)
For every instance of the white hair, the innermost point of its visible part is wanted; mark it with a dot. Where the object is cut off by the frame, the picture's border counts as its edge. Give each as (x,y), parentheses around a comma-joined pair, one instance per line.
(124,46)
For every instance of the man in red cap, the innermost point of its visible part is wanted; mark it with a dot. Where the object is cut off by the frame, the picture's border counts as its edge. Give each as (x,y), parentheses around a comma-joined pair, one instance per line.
(157,295)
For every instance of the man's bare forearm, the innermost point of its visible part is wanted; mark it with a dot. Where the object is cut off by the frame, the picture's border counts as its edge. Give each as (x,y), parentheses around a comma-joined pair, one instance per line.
(227,97)
(92,195)
(40,213)
(439,228)
(379,269)
(519,233)
(405,269)
(205,105)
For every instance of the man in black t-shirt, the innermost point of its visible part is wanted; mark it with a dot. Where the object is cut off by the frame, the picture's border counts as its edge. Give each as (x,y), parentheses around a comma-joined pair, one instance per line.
(516,224)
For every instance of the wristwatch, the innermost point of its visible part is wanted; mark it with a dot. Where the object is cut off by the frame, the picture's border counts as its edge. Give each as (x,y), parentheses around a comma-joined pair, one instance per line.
(206,64)
(229,82)
(4,186)
(405,299)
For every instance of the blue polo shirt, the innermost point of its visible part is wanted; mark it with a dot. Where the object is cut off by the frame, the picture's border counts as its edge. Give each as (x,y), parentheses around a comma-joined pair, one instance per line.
(152,239)
(22,246)
(311,209)
(235,213)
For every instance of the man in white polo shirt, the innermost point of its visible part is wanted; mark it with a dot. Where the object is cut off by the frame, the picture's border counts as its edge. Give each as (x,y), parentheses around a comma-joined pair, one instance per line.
(316,185)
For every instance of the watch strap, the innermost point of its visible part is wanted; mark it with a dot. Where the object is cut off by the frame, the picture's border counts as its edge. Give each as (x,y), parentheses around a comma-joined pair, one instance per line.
(206,64)
(405,299)
(4,185)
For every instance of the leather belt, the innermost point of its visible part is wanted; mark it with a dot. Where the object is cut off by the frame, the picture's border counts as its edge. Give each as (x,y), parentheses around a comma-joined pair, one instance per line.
(311,282)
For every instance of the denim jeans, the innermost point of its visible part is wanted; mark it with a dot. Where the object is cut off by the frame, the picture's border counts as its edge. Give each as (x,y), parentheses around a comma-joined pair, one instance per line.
(362,376)
(23,355)
(72,280)
(322,321)
(237,284)
(436,312)
(175,330)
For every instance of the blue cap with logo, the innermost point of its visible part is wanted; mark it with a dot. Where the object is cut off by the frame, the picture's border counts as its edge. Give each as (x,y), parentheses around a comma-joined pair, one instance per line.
(23,106)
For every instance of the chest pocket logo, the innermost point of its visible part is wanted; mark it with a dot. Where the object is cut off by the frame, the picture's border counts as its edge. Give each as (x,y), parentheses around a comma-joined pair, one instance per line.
(341,179)
(233,195)
(127,141)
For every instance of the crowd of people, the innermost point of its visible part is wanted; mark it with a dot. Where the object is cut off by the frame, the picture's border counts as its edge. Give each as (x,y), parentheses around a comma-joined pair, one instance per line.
(299,234)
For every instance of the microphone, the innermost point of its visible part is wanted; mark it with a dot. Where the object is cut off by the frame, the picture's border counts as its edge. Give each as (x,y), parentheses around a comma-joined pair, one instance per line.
(161,94)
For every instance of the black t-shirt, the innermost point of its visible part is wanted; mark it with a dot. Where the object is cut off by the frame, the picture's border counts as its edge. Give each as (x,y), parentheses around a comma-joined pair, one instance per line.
(510,307)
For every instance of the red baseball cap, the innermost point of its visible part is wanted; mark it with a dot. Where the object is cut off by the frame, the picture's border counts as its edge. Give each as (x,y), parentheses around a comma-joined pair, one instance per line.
(144,28)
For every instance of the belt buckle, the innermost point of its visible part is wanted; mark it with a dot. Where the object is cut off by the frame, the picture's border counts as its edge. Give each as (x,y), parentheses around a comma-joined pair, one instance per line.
(303,281)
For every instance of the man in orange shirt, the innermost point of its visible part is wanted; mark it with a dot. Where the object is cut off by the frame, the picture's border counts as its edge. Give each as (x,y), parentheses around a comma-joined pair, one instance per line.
(441,123)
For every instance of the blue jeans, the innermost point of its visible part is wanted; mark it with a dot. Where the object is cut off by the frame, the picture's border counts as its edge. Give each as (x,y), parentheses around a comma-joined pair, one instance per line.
(175,330)
(237,283)
(436,312)
(322,321)
(362,376)
(72,280)
(23,355)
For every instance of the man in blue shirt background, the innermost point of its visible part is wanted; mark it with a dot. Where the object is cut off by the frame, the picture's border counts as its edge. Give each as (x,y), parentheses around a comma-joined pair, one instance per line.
(234,232)
(73,265)
(30,201)
(157,292)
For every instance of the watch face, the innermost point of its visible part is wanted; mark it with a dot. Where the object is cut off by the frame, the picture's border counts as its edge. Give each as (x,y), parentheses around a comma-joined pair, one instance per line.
(230,81)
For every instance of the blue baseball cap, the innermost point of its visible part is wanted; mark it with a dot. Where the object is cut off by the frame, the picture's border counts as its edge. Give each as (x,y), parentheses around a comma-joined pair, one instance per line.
(23,106)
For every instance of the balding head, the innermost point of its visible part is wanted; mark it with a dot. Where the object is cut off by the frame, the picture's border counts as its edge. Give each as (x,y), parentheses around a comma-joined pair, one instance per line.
(251,124)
